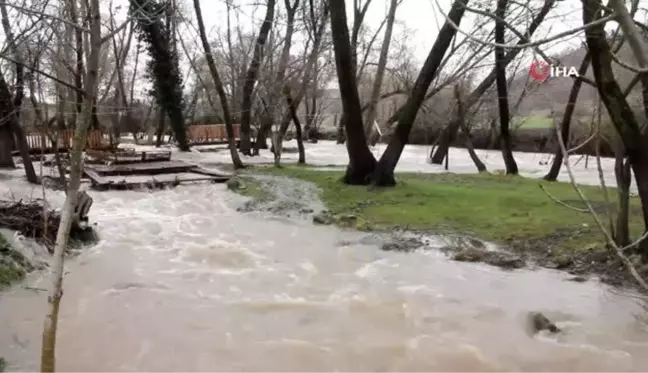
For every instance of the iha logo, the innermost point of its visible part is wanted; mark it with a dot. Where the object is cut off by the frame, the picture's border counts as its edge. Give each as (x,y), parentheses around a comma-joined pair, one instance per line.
(540,71)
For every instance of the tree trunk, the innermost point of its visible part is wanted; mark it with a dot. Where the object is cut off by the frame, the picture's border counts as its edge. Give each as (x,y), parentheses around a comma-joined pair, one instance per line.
(450,132)
(380,71)
(552,175)
(298,127)
(623,179)
(6,143)
(48,353)
(279,83)
(229,126)
(621,115)
(361,161)
(384,173)
(251,78)
(309,72)
(502,92)
(481,167)
(161,127)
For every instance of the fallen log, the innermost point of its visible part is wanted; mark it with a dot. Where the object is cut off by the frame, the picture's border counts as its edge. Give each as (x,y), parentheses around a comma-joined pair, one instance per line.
(33,219)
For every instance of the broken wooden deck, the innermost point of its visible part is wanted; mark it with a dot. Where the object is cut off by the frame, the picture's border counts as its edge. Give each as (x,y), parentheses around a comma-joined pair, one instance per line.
(150,175)
(128,156)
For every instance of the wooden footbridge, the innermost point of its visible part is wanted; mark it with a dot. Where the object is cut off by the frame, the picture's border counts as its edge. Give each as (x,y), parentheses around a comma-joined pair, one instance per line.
(147,169)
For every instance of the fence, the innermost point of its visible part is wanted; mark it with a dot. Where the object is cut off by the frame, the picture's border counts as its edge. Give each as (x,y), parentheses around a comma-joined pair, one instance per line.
(210,133)
(38,140)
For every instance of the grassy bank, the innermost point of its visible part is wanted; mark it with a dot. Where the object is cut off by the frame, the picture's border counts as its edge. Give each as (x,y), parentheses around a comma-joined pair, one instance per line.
(509,210)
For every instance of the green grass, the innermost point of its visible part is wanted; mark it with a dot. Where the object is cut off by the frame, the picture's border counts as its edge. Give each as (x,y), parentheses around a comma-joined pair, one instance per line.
(504,209)
(533,121)
(248,187)
(9,271)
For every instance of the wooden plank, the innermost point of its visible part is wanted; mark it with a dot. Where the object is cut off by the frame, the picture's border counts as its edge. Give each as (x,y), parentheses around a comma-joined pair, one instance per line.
(215,173)
(149,181)
(148,168)
(95,178)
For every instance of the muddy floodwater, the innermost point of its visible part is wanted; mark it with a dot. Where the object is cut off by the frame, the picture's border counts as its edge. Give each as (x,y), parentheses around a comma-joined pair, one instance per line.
(183,281)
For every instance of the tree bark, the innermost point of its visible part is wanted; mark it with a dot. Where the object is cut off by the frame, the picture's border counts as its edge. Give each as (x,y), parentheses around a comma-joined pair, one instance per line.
(229,125)
(380,71)
(621,115)
(251,78)
(6,144)
(384,172)
(623,175)
(552,175)
(161,127)
(298,128)
(361,161)
(450,132)
(502,92)
(48,353)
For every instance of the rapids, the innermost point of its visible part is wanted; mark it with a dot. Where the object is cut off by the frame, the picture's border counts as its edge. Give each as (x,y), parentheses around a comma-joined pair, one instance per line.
(182,281)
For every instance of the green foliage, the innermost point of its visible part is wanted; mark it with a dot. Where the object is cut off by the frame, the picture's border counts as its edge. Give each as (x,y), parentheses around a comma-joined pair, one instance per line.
(163,67)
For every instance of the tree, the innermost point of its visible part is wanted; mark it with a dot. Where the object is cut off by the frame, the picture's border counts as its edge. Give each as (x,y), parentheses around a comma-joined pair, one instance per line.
(229,126)
(449,133)
(163,66)
(251,78)
(384,172)
(634,138)
(48,360)
(380,71)
(502,91)
(361,161)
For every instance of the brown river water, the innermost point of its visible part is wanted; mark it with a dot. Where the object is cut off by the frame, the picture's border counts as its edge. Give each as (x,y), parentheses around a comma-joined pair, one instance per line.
(181,281)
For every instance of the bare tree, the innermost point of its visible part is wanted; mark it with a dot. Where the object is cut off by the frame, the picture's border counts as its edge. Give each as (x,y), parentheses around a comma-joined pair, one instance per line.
(48,362)
(380,71)
(229,127)
(502,91)
(251,78)
(384,172)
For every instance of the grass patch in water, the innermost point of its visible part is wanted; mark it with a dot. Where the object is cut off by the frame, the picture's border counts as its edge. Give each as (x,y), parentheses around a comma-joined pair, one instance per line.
(249,187)
(10,270)
(510,210)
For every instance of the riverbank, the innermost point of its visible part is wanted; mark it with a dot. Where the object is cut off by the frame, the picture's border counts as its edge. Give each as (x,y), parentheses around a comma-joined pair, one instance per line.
(511,212)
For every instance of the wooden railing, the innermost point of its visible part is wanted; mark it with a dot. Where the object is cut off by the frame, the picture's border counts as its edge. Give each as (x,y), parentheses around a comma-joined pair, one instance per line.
(37,140)
(208,133)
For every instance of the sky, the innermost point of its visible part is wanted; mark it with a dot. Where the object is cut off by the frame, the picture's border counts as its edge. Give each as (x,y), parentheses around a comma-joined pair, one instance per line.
(423,18)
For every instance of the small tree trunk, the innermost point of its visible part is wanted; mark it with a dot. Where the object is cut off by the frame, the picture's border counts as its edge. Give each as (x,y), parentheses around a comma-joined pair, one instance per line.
(6,143)
(298,127)
(48,353)
(229,126)
(623,179)
(161,127)
(552,175)
(251,78)
(380,71)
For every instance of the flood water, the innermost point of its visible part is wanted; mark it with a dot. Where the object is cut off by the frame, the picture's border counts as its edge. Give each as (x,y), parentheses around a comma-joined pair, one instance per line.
(181,281)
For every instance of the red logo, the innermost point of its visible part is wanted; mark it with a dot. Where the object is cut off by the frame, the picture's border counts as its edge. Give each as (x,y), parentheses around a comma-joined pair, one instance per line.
(539,71)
